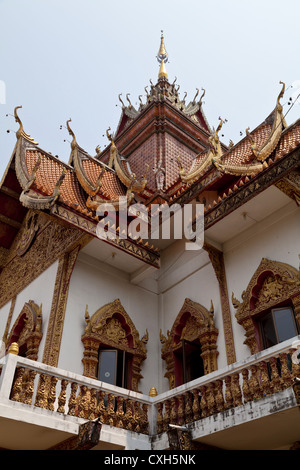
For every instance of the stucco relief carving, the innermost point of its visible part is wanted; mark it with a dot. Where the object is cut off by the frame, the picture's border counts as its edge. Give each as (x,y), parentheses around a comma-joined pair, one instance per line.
(193,323)
(272,283)
(27,330)
(111,326)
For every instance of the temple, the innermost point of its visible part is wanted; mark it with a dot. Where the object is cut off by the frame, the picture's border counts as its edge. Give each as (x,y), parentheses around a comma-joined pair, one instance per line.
(117,336)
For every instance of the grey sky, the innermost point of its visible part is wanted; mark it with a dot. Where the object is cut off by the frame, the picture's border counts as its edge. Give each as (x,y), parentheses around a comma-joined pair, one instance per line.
(64,59)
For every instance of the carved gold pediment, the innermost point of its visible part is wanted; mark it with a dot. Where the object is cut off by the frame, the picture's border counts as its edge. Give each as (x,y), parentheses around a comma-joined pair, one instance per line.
(111,326)
(27,330)
(196,324)
(272,283)
(114,331)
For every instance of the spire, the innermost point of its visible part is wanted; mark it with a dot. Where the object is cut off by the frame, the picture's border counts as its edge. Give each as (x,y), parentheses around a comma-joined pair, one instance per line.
(162,58)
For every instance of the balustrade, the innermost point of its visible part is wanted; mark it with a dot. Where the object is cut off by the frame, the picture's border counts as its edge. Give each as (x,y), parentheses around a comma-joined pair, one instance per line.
(260,379)
(79,400)
(259,376)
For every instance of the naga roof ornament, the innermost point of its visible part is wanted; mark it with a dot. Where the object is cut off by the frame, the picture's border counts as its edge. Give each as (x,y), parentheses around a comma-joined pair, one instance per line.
(162,152)
(260,148)
(204,159)
(20,132)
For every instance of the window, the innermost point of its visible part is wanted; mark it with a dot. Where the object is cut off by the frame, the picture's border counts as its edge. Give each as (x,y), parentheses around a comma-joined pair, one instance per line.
(192,363)
(188,362)
(113,367)
(193,332)
(111,338)
(277,325)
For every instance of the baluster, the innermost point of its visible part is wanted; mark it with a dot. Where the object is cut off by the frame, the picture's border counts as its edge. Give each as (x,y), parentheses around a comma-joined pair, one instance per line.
(203,401)
(93,405)
(72,404)
(180,410)
(166,418)
(254,383)
(62,396)
(188,407)
(246,388)
(41,396)
(83,402)
(285,371)
(219,395)
(101,408)
(52,393)
(111,409)
(277,383)
(211,404)
(228,393)
(17,385)
(144,418)
(159,419)
(264,379)
(129,415)
(196,405)
(29,387)
(137,416)
(295,363)
(173,414)
(120,412)
(236,390)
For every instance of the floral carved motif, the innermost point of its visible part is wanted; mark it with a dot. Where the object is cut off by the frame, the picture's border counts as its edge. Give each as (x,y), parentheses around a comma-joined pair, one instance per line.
(27,330)
(50,241)
(193,323)
(28,235)
(272,283)
(111,326)
(115,332)
(271,289)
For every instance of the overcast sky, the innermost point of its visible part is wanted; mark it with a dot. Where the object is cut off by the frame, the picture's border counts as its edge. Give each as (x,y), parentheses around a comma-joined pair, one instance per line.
(64,59)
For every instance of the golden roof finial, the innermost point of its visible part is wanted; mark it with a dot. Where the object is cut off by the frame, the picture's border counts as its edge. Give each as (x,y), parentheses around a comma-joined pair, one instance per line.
(20,132)
(162,58)
(71,133)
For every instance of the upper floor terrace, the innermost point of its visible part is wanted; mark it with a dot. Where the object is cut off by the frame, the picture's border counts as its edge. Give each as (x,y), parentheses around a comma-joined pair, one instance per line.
(251,404)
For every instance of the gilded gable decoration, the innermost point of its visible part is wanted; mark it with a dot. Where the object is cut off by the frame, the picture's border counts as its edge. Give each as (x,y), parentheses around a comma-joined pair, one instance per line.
(27,331)
(29,233)
(272,283)
(111,326)
(193,323)
(258,144)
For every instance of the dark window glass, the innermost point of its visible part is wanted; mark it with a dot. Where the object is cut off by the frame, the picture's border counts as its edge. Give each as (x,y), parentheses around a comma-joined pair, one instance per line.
(113,367)
(107,366)
(192,362)
(277,325)
(268,331)
(285,323)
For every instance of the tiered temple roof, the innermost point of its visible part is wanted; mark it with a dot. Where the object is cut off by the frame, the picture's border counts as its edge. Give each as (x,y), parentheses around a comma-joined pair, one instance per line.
(162,152)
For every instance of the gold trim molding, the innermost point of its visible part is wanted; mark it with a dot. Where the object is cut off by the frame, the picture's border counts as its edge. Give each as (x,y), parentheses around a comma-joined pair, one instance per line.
(50,239)
(193,323)
(272,283)
(58,308)
(111,326)
(217,260)
(27,331)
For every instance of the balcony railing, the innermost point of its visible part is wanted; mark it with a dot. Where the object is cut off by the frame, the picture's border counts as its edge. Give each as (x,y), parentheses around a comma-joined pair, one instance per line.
(67,394)
(258,376)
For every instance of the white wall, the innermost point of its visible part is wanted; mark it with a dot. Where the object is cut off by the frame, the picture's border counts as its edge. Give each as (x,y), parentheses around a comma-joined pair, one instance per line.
(156,302)
(187,275)
(95,284)
(276,238)
(41,292)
